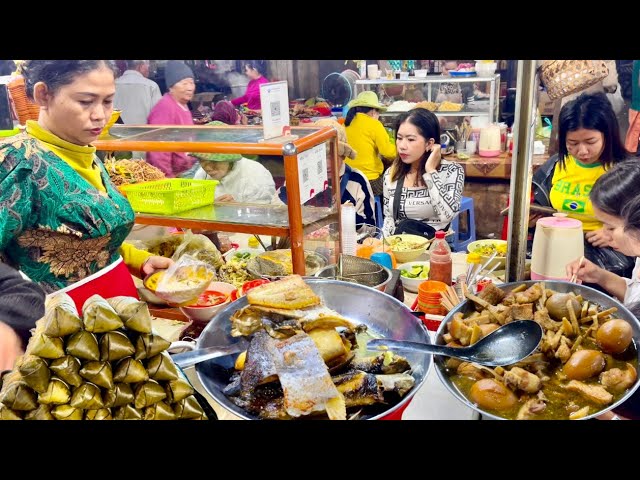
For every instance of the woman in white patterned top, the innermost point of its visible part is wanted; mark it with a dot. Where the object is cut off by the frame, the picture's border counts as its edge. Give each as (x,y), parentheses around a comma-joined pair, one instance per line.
(432,187)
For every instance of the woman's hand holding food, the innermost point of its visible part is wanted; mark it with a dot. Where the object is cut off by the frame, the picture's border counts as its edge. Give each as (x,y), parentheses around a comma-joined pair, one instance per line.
(155,263)
(586,272)
(599,238)
(433,162)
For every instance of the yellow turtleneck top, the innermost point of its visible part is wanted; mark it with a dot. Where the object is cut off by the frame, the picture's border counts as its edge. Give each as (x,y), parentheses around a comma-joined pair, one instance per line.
(81,159)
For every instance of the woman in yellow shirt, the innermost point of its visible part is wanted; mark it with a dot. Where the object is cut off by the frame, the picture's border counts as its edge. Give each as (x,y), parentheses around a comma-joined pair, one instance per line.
(368,137)
(588,145)
(62,221)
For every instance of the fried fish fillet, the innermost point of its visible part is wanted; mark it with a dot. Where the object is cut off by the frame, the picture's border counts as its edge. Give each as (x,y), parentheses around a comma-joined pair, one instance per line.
(289,293)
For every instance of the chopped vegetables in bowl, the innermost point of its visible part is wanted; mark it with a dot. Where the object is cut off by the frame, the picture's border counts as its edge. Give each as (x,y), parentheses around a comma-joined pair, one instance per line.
(413,274)
(405,247)
(486,248)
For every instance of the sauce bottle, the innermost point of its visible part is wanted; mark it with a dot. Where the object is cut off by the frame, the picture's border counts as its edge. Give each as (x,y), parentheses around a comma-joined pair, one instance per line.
(440,263)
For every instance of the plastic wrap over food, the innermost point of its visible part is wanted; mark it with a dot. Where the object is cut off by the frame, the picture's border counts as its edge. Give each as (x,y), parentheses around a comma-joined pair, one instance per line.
(199,247)
(184,281)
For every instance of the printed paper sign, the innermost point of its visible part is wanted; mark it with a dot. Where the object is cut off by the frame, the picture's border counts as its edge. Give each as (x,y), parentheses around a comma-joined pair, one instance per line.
(274,101)
(312,172)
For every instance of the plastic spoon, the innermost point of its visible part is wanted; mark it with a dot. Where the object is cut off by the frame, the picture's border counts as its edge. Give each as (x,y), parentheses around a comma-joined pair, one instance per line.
(507,345)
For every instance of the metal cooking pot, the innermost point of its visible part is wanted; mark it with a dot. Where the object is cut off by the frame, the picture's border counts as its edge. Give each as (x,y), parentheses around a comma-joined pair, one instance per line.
(587,293)
(383,314)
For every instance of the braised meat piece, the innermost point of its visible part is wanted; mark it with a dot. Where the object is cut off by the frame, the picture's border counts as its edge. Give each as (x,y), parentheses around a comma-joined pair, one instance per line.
(618,380)
(530,409)
(530,295)
(595,393)
(522,311)
(470,370)
(519,378)
(492,294)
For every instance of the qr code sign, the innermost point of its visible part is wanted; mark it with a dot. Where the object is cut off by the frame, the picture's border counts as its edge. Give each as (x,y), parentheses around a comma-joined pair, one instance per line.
(275,109)
(305,175)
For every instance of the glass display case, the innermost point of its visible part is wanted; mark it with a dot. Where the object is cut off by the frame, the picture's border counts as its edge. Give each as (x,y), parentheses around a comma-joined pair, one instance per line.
(306,163)
(466,96)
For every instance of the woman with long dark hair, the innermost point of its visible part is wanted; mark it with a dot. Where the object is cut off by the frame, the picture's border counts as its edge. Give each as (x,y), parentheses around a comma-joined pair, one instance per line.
(253,69)
(431,189)
(589,144)
(616,203)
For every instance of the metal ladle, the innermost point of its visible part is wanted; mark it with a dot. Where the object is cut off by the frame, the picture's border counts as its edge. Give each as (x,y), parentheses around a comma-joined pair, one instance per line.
(505,346)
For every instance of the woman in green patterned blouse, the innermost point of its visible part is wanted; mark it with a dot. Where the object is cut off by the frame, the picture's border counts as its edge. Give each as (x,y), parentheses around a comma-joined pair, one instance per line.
(62,221)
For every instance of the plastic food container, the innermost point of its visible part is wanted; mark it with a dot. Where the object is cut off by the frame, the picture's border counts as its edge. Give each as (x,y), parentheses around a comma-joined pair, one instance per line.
(170,196)
(486,69)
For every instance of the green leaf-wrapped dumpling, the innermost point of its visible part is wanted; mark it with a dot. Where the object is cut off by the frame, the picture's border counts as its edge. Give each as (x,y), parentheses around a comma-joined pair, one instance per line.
(98,316)
(83,345)
(135,313)
(148,393)
(161,367)
(68,369)
(87,397)
(114,346)
(34,371)
(98,373)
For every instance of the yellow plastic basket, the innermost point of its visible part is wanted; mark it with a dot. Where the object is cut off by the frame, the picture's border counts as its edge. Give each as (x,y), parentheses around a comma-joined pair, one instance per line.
(170,196)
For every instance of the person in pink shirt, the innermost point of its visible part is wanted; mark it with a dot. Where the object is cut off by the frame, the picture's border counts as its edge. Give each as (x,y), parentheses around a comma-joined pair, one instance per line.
(173,109)
(252,95)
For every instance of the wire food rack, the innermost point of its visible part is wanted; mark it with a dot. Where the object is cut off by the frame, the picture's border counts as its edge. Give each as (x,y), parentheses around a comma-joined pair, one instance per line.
(356,270)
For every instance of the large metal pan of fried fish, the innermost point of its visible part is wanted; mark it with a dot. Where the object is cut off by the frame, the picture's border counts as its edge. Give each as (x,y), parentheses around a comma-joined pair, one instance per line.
(585,365)
(309,361)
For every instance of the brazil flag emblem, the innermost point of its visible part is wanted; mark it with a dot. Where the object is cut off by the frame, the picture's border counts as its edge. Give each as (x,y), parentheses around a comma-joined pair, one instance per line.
(573,206)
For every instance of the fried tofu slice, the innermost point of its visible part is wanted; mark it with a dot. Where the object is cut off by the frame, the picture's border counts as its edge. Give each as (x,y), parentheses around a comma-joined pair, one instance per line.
(290,293)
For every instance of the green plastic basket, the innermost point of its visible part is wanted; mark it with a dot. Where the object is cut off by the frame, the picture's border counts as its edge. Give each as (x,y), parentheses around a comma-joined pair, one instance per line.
(170,196)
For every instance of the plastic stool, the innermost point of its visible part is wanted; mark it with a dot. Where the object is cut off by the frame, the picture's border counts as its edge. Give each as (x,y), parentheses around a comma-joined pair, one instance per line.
(462,239)
(379,219)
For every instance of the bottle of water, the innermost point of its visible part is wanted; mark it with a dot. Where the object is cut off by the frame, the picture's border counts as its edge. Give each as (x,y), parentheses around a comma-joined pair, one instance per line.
(348,229)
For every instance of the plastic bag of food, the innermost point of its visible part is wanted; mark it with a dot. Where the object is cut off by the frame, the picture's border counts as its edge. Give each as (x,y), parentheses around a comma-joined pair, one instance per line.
(183,282)
(200,248)
(165,245)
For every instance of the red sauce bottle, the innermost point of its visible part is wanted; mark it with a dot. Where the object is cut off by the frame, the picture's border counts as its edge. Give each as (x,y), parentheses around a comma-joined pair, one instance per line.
(440,263)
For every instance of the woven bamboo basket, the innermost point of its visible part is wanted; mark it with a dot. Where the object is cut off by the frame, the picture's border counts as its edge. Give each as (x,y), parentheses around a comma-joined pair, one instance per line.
(25,109)
(564,77)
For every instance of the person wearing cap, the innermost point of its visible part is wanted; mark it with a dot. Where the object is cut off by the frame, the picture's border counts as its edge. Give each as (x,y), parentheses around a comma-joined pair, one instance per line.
(368,137)
(354,186)
(241,180)
(173,109)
